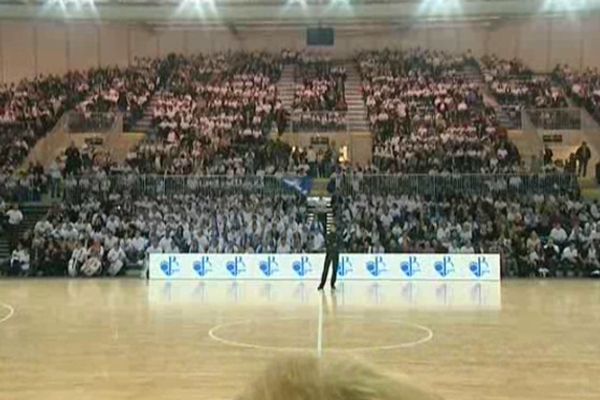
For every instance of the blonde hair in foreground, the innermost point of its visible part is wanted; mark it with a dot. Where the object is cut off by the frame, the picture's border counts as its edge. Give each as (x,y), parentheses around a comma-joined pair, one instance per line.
(307,377)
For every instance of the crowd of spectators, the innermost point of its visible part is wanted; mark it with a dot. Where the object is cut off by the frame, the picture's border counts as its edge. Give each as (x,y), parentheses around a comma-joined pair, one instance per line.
(29,109)
(126,90)
(536,234)
(94,237)
(515,85)
(214,116)
(216,109)
(428,118)
(319,94)
(582,86)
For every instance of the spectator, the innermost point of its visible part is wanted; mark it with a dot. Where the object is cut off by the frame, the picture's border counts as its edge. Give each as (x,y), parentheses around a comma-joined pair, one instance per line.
(463,224)
(131,229)
(19,261)
(583,154)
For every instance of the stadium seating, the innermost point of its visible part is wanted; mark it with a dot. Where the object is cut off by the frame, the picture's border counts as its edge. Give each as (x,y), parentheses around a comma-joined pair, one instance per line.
(213,151)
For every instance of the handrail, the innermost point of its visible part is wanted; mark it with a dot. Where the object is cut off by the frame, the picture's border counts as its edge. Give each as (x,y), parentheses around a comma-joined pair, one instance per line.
(297,126)
(568,118)
(458,184)
(78,188)
(94,122)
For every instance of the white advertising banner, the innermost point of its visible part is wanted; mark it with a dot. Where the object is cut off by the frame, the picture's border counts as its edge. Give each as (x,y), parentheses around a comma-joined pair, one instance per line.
(410,267)
(415,267)
(236,266)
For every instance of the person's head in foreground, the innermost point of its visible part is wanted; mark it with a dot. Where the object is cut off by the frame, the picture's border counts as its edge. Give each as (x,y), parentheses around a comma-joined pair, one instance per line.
(306,377)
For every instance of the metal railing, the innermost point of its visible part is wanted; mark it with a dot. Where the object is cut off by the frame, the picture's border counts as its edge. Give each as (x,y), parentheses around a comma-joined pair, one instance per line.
(556,118)
(535,144)
(514,114)
(463,184)
(78,188)
(82,122)
(319,122)
(75,189)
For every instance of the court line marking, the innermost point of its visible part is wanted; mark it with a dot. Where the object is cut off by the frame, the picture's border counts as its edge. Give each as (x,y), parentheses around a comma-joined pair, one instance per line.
(11,312)
(320,328)
(212,334)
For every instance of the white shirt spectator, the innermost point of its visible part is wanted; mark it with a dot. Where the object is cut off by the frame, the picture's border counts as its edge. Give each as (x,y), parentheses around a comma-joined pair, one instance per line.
(570,254)
(15,216)
(558,234)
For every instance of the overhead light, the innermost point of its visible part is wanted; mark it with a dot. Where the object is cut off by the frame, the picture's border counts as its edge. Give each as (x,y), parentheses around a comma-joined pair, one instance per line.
(439,7)
(564,5)
(70,6)
(199,7)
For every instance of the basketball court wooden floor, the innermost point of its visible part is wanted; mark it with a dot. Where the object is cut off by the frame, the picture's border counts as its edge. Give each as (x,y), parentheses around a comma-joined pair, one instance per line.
(129,339)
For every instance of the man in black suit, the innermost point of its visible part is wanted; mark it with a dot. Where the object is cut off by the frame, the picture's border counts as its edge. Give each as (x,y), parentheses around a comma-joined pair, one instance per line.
(332,256)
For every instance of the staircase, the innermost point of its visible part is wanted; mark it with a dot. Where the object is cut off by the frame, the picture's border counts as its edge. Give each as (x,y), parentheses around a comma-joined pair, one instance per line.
(529,143)
(32,213)
(357,111)
(285,86)
(144,124)
(506,118)
(473,74)
(4,249)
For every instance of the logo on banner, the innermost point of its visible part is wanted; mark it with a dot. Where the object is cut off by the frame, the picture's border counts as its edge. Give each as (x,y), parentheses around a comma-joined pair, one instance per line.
(235,266)
(410,267)
(444,267)
(376,266)
(170,266)
(268,266)
(302,267)
(202,266)
(480,267)
(345,266)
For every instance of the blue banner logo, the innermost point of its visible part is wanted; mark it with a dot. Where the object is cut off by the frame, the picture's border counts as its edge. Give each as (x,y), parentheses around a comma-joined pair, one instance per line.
(269,266)
(410,267)
(444,267)
(302,267)
(480,267)
(345,266)
(236,266)
(376,266)
(202,266)
(170,266)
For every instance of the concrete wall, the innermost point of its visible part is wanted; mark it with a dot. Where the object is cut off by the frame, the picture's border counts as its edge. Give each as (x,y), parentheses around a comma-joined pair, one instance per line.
(28,48)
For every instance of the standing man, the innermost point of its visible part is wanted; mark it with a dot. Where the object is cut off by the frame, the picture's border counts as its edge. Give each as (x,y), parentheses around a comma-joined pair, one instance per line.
(583,156)
(548,154)
(332,256)
(15,217)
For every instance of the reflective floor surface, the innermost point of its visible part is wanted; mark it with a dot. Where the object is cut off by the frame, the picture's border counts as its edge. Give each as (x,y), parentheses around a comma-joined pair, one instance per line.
(130,339)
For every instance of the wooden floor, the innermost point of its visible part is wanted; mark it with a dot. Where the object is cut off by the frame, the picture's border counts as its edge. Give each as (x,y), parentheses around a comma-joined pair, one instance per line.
(128,339)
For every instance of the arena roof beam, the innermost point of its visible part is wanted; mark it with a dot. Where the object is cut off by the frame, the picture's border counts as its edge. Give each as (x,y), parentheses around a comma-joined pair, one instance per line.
(307,12)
